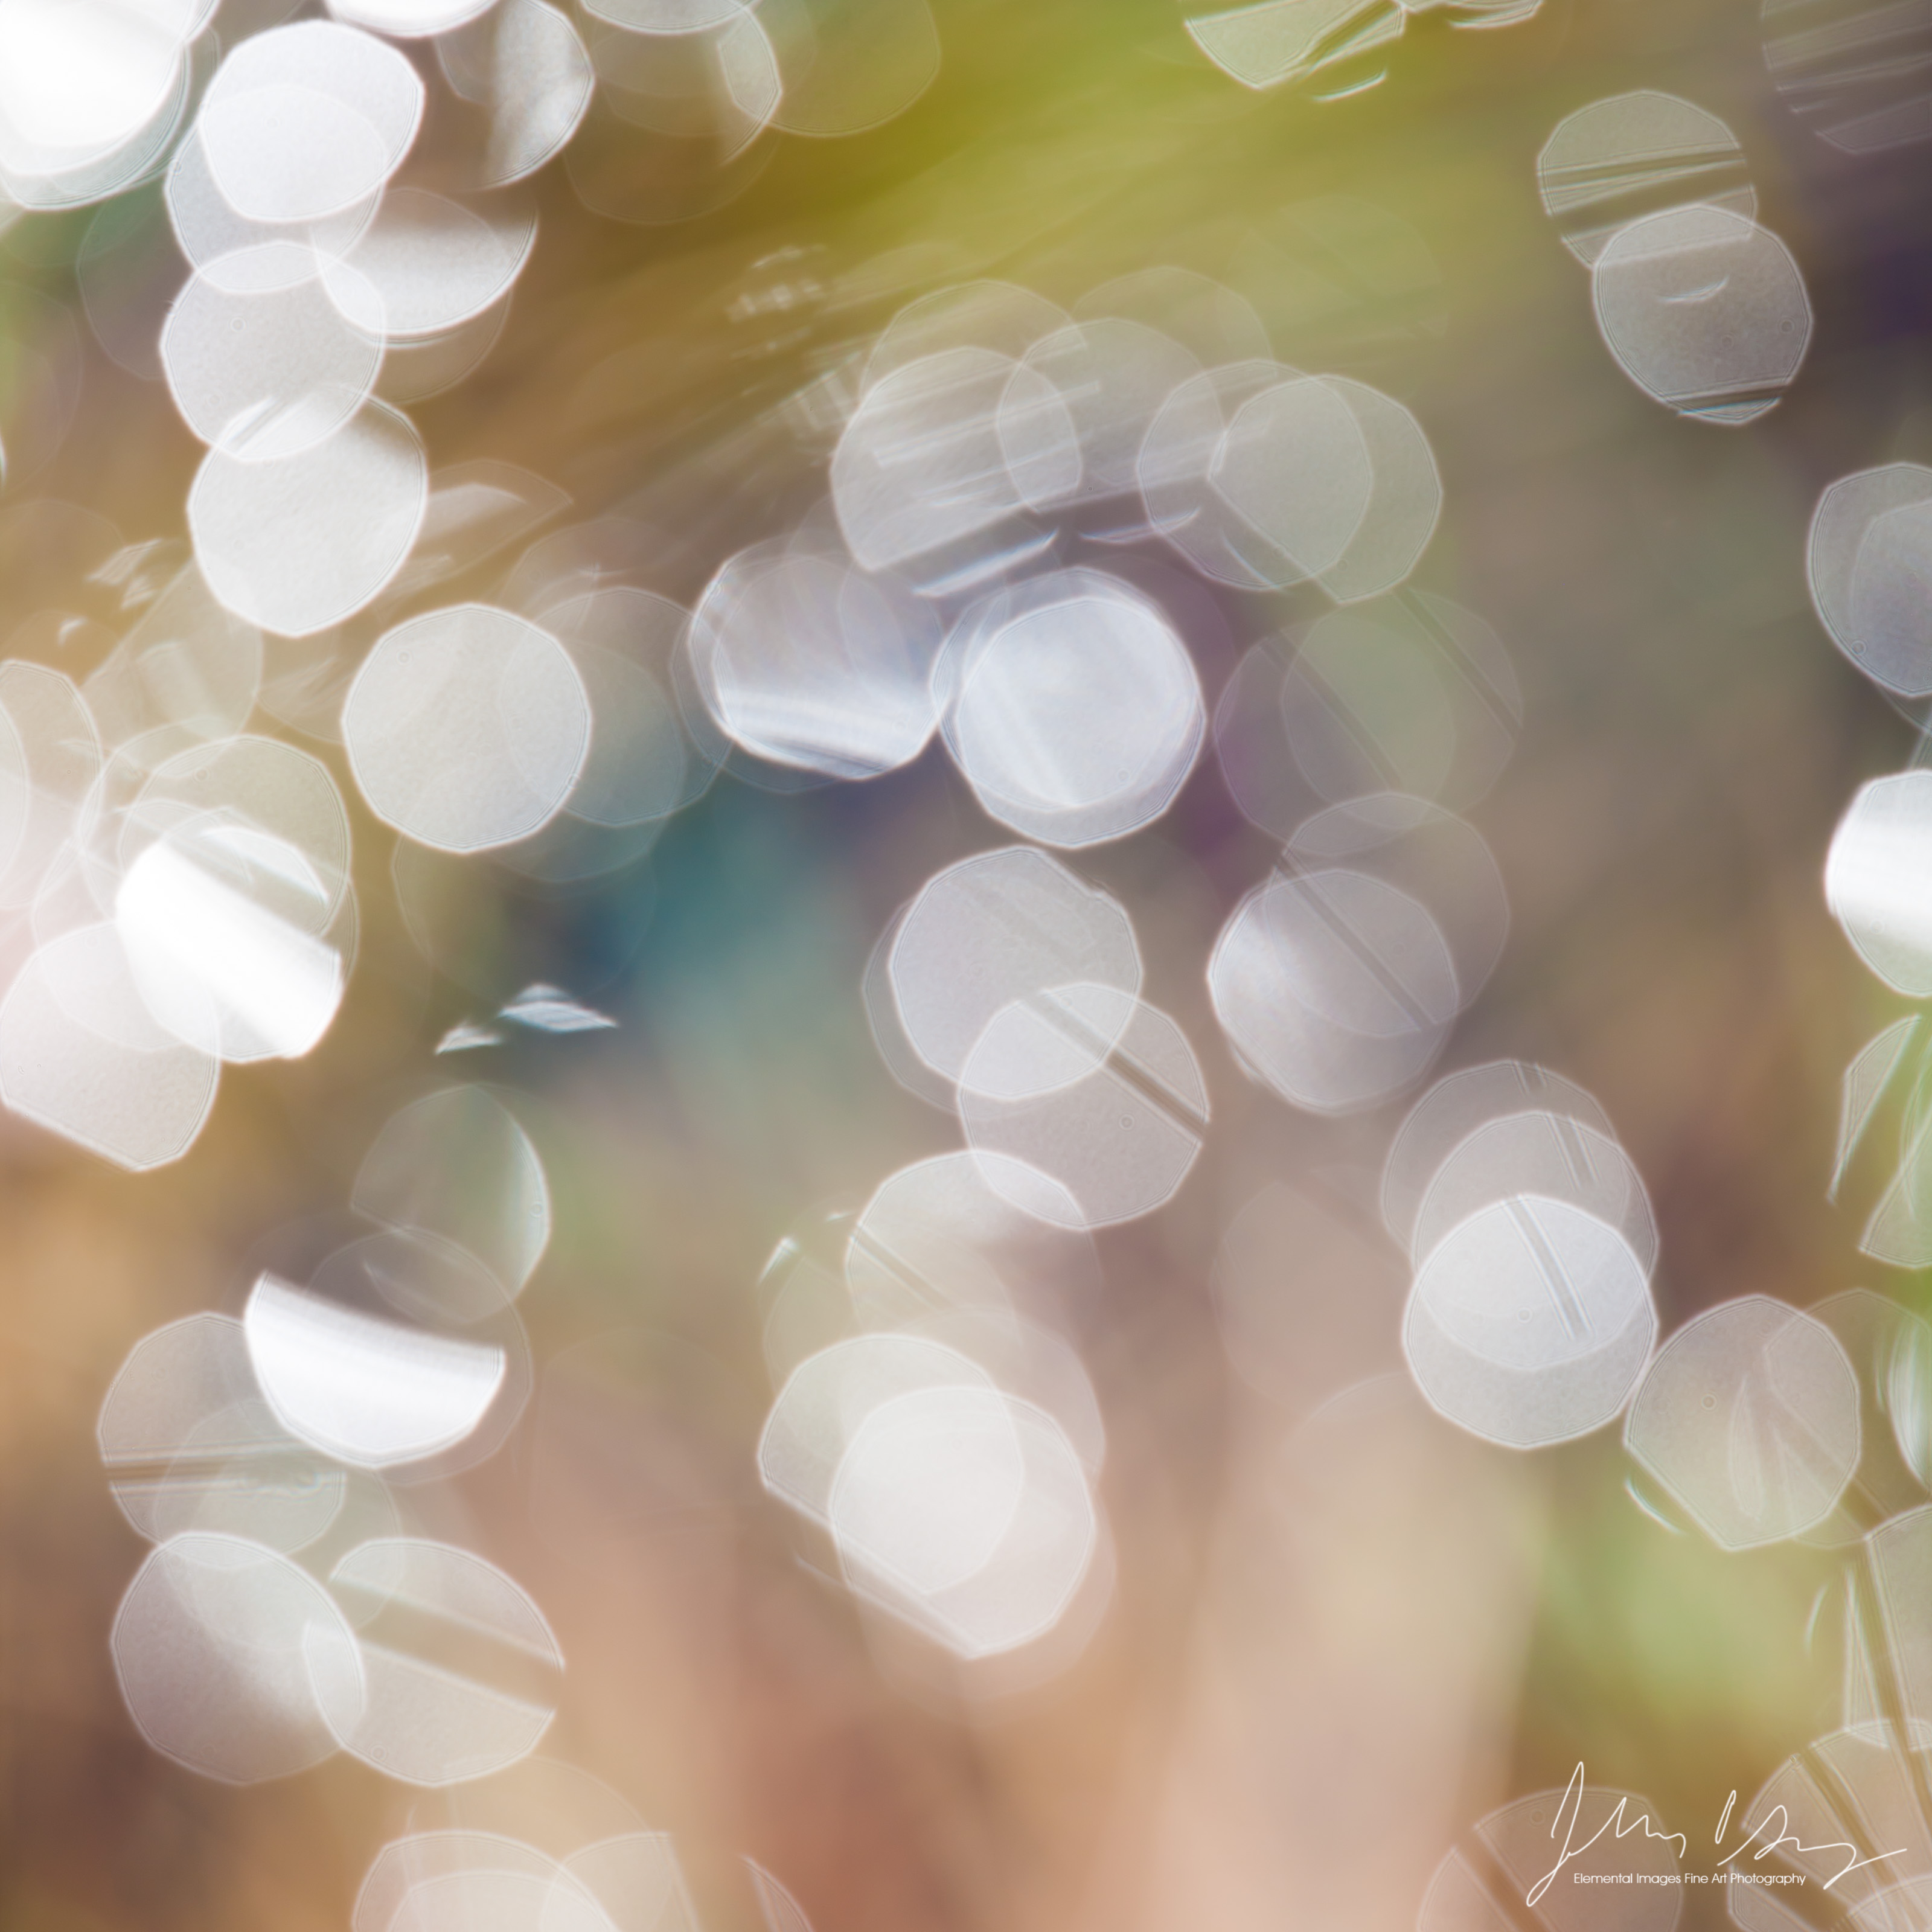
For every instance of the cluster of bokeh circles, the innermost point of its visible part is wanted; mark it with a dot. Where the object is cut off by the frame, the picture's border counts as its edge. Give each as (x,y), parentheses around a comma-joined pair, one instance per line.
(935,1432)
(1339,45)
(294,1605)
(1848,1417)
(344,193)
(307,225)
(1756,1423)
(341,197)
(1701,307)
(304,226)
(267,1458)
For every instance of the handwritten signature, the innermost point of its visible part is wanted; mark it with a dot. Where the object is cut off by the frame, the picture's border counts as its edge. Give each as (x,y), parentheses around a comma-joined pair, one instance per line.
(1572,1805)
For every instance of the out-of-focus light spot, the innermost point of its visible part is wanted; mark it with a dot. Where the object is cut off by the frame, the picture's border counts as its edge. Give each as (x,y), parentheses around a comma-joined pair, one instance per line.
(90,94)
(1876,876)
(466,728)
(1550,1154)
(1412,694)
(1279,41)
(1704,310)
(459,1881)
(208,228)
(920,477)
(1105,380)
(1292,463)
(645,762)
(1855,71)
(306,121)
(956,1509)
(523,63)
(260,361)
(1530,1321)
(1072,706)
(939,1234)
(943,1497)
(1403,505)
(1865,1081)
(233,1662)
(928,1485)
(993,930)
(203,945)
(466,1036)
(1335,982)
(1001,317)
(369,1390)
(81,1054)
(545,1009)
(301,542)
(1177,457)
(806,662)
(1092,1087)
(1334,989)
(1749,1419)
(1633,154)
(426,265)
(470,1875)
(464,1684)
(1874,1768)
(1262,478)
(1460,1105)
(829,1395)
(1867,564)
(848,66)
(457,1166)
(1890,1350)
(1530,1317)
(189,1444)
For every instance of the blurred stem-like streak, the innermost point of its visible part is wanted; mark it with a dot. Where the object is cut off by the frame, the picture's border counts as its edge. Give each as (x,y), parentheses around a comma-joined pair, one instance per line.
(1351,1687)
